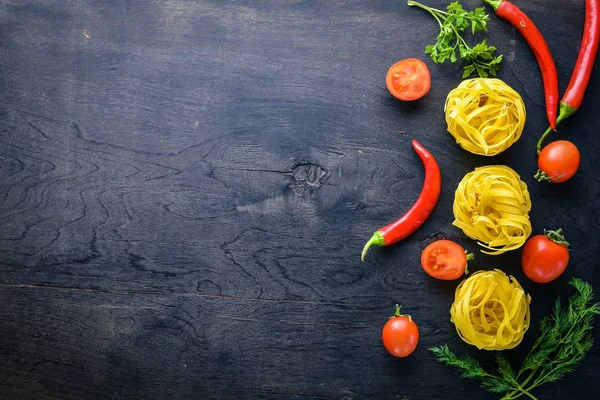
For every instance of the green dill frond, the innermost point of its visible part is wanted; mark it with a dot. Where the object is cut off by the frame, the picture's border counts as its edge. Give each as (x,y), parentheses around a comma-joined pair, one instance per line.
(564,341)
(504,368)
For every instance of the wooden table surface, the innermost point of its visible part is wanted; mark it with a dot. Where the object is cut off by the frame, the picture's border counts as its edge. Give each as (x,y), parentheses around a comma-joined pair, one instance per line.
(186,187)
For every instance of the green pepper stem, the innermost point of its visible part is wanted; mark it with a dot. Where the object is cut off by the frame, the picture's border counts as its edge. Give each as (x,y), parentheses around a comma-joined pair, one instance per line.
(493,3)
(565,111)
(377,240)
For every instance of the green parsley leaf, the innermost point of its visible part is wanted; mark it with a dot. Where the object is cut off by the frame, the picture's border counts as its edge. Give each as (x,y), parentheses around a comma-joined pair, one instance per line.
(479,20)
(468,70)
(481,58)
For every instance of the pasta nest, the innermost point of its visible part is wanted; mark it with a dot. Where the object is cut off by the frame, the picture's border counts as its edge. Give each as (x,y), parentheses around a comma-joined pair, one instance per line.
(491,310)
(491,205)
(485,115)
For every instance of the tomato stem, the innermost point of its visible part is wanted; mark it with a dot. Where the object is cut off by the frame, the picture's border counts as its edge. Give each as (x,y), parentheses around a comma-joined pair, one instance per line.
(398,314)
(470,256)
(557,237)
(542,176)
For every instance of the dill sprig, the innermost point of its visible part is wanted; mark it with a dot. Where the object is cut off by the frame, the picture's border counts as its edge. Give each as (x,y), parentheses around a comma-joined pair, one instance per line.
(564,340)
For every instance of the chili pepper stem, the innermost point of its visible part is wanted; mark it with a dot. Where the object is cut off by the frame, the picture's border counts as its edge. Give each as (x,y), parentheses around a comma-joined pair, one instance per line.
(377,240)
(517,18)
(493,3)
(565,111)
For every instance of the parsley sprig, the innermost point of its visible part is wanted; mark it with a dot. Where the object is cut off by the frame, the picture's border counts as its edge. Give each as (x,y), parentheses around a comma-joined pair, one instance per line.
(564,340)
(481,58)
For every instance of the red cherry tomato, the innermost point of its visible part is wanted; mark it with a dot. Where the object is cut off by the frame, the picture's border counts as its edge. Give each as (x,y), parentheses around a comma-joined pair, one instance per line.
(545,257)
(558,162)
(400,335)
(444,259)
(408,79)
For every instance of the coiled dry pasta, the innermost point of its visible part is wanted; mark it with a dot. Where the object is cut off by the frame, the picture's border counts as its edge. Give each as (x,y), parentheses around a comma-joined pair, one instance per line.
(485,115)
(491,205)
(491,310)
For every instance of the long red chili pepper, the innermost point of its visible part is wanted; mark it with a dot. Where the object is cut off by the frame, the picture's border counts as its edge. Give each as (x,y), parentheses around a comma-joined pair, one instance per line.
(580,78)
(513,14)
(419,212)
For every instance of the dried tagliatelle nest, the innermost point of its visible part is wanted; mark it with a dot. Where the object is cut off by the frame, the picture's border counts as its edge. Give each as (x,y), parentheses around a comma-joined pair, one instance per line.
(491,205)
(491,310)
(485,115)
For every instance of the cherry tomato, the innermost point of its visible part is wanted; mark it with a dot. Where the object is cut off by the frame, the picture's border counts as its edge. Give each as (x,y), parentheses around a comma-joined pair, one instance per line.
(558,162)
(545,257)
(400,334)
(408,79)
(444,259)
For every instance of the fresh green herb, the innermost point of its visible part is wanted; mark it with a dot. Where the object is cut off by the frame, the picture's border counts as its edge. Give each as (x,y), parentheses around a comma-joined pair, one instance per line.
(453,22)
(565,339)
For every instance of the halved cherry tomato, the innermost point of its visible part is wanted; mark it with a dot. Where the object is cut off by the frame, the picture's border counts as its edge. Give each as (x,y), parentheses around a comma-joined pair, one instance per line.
(545,257)
(558,162)
(444,259)
(408,79)
(400,334)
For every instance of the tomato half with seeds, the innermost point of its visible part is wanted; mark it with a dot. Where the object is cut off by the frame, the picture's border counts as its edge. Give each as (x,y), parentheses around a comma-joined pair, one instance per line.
(444,259)
(408,79)
(400,334)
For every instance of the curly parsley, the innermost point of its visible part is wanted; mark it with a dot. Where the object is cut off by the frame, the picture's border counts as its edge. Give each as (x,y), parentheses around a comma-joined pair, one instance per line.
(480,58)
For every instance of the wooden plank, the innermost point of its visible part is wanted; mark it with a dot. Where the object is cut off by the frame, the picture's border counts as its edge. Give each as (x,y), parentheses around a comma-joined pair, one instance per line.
(185,187)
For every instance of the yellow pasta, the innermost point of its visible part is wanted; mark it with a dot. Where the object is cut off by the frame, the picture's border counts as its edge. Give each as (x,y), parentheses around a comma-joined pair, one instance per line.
(485,115)
(491,310)
(491,205)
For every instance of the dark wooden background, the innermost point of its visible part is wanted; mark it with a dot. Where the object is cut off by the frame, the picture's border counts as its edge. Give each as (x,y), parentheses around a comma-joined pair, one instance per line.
(186,187)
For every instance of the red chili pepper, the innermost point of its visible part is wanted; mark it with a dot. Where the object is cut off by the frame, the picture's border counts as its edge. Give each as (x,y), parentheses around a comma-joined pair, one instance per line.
(580,78)
(419,212)
(513,14)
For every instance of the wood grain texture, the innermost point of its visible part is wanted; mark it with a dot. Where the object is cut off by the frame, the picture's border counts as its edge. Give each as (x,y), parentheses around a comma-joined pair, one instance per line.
(185,187)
